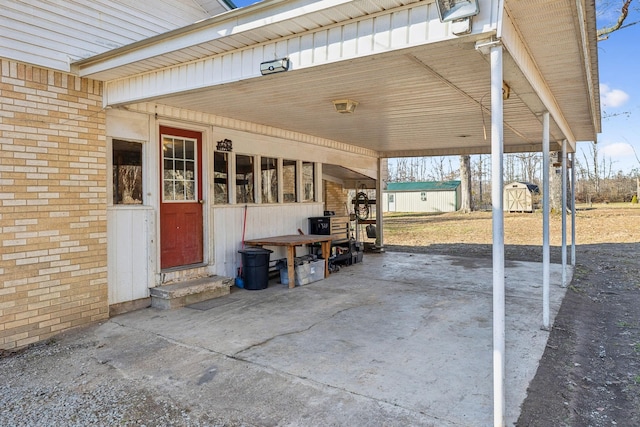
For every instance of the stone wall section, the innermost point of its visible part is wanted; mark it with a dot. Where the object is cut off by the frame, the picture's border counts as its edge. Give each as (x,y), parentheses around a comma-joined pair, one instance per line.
(53,253)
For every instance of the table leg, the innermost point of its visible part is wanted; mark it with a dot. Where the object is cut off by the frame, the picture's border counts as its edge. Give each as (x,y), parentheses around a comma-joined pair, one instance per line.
(291,268)
(326,253)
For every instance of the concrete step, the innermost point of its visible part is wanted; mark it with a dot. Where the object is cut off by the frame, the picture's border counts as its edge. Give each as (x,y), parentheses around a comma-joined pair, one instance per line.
(188,292)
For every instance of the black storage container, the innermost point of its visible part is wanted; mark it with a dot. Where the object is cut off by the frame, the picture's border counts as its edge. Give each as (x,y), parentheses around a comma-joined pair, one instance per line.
(255,268)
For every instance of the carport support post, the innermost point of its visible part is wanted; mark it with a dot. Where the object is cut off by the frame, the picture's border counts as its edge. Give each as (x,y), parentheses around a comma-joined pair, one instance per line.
(379,220)
(573,209)
(497,184)
(564,212)
(545,221)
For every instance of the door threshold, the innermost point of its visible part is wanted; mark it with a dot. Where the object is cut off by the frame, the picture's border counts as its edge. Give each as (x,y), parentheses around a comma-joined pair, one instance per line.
(183,267)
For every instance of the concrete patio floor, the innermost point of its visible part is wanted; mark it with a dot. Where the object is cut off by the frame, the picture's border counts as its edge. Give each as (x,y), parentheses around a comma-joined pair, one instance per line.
(398,340)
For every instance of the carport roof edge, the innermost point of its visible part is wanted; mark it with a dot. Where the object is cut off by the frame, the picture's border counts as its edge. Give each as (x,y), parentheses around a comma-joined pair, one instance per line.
(117,63)
(168,77)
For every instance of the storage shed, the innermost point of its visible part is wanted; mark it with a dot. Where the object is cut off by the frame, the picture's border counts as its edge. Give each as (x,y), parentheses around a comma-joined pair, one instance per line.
(520,197)
(427,196)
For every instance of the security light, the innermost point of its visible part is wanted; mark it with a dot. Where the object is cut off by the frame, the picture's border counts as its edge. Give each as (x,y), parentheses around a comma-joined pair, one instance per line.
(453,10)
(275,66)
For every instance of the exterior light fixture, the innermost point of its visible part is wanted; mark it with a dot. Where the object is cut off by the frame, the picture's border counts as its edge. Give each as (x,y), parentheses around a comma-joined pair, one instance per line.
(345,105)
(275,66)
(453,10)
(506,91)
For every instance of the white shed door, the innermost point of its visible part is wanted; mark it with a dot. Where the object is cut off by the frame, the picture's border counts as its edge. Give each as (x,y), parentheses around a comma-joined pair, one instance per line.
(391,202)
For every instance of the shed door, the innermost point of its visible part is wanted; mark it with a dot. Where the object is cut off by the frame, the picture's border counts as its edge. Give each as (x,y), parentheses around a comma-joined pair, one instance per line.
(391,202)
(181,238)
(517,200)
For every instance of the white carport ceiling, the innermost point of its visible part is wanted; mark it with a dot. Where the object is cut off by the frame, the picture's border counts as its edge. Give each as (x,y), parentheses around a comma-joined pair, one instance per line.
(427,100)
(347,177)
(422,101)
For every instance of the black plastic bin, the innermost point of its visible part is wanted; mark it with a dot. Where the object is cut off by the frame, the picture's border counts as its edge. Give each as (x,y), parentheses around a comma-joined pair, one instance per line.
(255,268)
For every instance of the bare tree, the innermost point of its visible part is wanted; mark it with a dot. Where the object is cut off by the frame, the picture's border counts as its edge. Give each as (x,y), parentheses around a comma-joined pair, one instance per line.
(438,166)
(603,33)
(466,202)
(529,162)
(592,167)
(637,174)
(509,168)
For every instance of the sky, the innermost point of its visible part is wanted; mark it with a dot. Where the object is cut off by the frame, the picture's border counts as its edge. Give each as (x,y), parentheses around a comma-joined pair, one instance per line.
(619,67)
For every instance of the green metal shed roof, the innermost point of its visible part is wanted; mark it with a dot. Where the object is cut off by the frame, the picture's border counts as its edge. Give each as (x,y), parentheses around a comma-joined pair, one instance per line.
(423,186)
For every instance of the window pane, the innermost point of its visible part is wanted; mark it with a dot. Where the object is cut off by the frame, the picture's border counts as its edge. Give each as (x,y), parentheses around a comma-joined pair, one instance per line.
(179,190)
(178,151)
(244,179)
(189,190)
(127,172)
(269,171)
(289,180)
(189,152)
(189,170)
(168,169)
(308,182)
(167,148)
(179,169)
(220,178)
(169,193)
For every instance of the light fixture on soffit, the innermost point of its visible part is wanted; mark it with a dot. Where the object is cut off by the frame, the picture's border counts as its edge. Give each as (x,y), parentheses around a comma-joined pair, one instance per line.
(275,66)
(459,13)
(344,106)
(452,10)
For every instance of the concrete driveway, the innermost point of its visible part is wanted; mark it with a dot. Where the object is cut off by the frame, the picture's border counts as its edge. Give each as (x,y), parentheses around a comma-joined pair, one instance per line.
(398,340)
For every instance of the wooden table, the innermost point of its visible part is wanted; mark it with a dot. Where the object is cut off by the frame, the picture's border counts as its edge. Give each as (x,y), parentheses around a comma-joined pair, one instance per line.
(291,241)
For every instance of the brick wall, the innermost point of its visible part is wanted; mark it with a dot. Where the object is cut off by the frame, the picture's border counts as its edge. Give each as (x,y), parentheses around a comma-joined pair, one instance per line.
(335,198)
(53,252)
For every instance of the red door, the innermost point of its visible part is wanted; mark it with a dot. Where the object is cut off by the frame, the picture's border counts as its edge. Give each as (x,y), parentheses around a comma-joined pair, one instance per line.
(181,203)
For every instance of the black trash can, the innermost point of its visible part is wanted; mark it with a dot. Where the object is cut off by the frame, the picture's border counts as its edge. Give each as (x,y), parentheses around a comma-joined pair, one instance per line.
(255,268)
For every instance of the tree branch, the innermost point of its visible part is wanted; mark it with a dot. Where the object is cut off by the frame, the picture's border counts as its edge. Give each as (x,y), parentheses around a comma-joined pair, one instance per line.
(603,33)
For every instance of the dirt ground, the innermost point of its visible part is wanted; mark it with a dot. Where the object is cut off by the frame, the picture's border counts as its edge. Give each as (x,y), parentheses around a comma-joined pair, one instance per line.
(589,374)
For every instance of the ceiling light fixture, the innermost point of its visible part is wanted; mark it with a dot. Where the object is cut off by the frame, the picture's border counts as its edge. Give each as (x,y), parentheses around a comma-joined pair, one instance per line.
(345,105)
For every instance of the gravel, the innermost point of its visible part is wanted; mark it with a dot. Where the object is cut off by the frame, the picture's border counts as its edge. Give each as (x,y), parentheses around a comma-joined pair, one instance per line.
(84,393)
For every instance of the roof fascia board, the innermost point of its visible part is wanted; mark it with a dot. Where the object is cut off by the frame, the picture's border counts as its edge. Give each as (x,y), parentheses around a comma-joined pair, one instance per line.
(191,75)
(590,61)
(225,24)
(484,149)
(513,43)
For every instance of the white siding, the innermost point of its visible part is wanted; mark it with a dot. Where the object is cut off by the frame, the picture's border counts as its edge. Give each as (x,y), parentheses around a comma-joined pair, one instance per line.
(411,201)
(130,233)
(387,31)
(132,244)
(54,34)
(262,221)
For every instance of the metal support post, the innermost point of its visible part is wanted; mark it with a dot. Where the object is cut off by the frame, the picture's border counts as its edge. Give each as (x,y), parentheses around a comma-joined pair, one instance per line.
(573,209)
(564,212)
(545,222)
(497,184)
(379,218)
